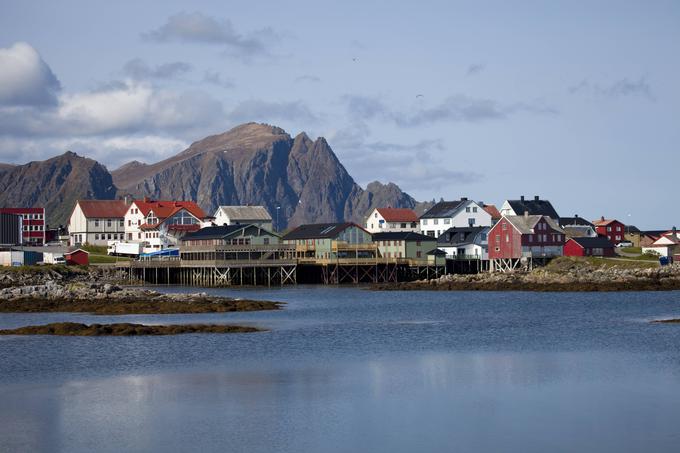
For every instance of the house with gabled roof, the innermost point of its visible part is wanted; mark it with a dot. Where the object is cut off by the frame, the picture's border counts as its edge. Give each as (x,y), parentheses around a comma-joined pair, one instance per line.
(96,222)
(160,223)
(531,207)
(589,246)
(668,244)
(448,214)
(331,241)
(465,243)
(525,236)
(612,229)
(577,227)
(246,215)
(392,220)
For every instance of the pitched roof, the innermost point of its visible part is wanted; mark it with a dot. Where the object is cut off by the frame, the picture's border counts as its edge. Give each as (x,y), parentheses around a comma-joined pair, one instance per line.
(443,209)
(402,236)
(578,230)
(219,232)
(164,209)
(573,221)
(236,213)
(600,242)
(103,208)
(526,223)
(604,222)
(533,207)
(398,214)
(492,210)
(460,235)
(319,231)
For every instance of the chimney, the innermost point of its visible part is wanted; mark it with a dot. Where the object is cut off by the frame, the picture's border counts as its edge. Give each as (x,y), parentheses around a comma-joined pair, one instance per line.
(463,198)
(146,199)
(675,232)
(127,200)
(602,218)
(521,198)
(526,214)
(576,216)
(536,198)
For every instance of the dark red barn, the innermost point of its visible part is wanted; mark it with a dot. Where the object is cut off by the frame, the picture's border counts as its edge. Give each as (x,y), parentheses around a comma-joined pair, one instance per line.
(514,237)
(77,257)
(584,246)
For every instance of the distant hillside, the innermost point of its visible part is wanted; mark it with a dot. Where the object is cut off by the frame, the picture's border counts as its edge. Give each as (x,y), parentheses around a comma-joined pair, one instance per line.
(261,164)
(55,184)
(253,164)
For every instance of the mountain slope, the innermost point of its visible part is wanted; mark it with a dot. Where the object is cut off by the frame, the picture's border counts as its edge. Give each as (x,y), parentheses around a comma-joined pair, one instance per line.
(56,184)
(261,164)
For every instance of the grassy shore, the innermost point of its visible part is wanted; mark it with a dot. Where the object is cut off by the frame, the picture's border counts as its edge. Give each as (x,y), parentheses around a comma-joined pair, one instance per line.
(115,306)
(123,329)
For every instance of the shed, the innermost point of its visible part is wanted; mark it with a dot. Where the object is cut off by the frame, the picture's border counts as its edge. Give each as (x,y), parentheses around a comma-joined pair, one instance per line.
(588,246)
(78,257)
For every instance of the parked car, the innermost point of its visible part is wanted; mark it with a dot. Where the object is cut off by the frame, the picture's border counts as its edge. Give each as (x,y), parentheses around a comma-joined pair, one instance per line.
(624,244)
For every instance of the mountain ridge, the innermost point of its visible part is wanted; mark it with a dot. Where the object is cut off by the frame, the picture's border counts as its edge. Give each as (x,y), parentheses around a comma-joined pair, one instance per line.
(251,163)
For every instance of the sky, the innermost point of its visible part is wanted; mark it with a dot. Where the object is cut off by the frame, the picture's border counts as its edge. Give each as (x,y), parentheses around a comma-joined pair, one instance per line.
(575,101)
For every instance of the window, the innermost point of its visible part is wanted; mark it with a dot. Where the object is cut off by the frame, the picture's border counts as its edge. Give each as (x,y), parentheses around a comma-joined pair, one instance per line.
(447,221)
(96,223)
(375,215)
(419,254)
(504,226)
(531,238)
(424,221)
(498,238)
(403,225)
(609,228)
(108,223)
(471,221)
(121,223)
(435,221)
(507,237)
(474,209)
(618,237)
(618,228)
(139,235)
(129,222)
(182,218)
(483,237)
(467,209)
(96,237)
(109,236)
(266,241)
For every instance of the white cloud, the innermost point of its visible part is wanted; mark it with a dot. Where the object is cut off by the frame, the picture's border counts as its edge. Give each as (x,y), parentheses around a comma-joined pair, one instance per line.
(258,110)
(25,79)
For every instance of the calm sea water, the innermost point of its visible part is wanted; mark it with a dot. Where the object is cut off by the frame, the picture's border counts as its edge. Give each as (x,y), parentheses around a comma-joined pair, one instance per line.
(349,370)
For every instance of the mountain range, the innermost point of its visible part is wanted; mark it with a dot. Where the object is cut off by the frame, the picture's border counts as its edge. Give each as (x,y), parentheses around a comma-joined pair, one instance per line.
(255,164)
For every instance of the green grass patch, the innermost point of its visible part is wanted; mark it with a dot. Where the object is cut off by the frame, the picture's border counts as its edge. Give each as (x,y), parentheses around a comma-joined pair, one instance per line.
(96,249)
(637,250)
(106,259)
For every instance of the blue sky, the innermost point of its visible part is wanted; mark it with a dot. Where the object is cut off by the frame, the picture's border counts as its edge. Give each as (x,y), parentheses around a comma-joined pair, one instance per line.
(575,101)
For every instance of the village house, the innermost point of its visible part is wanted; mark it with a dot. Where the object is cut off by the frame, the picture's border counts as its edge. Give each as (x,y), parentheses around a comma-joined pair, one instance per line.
(641,238)
(331,241)
(465,243)
(668,245)
(159,224)
(404,245)
(96,222)
(532,207)
(610,228)
(525,236)
(10,229)
(33,224)
(244,215)
(448,214)
(589,246)
(392,220)
(577,227)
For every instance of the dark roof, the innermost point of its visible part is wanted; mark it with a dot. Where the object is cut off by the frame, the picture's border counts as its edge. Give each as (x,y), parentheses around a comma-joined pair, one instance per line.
(576,220)
(460,235)
(319,231)
(442,209)
(214,232)
(436,252)
(402,236)
(632,229)
(600,242)
(534,207)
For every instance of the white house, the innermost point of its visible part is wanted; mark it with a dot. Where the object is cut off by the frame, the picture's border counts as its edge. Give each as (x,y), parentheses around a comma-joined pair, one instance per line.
(254,215)
(96,222)
(160,224)
(667,245)
(465,243)
(392,220)
(448,214)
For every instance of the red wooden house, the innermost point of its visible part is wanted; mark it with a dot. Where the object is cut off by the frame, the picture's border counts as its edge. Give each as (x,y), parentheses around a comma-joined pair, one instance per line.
(587,246)
(536,236)
(611,229)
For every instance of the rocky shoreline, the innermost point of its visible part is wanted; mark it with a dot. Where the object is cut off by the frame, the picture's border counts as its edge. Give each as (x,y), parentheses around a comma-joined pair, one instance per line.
(562,275)
(98,292)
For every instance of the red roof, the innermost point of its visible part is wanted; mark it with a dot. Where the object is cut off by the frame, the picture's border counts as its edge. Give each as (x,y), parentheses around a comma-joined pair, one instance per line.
(605,222)
(398,214)
(165,209)
(492,210)
(103,208)
(22,210)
